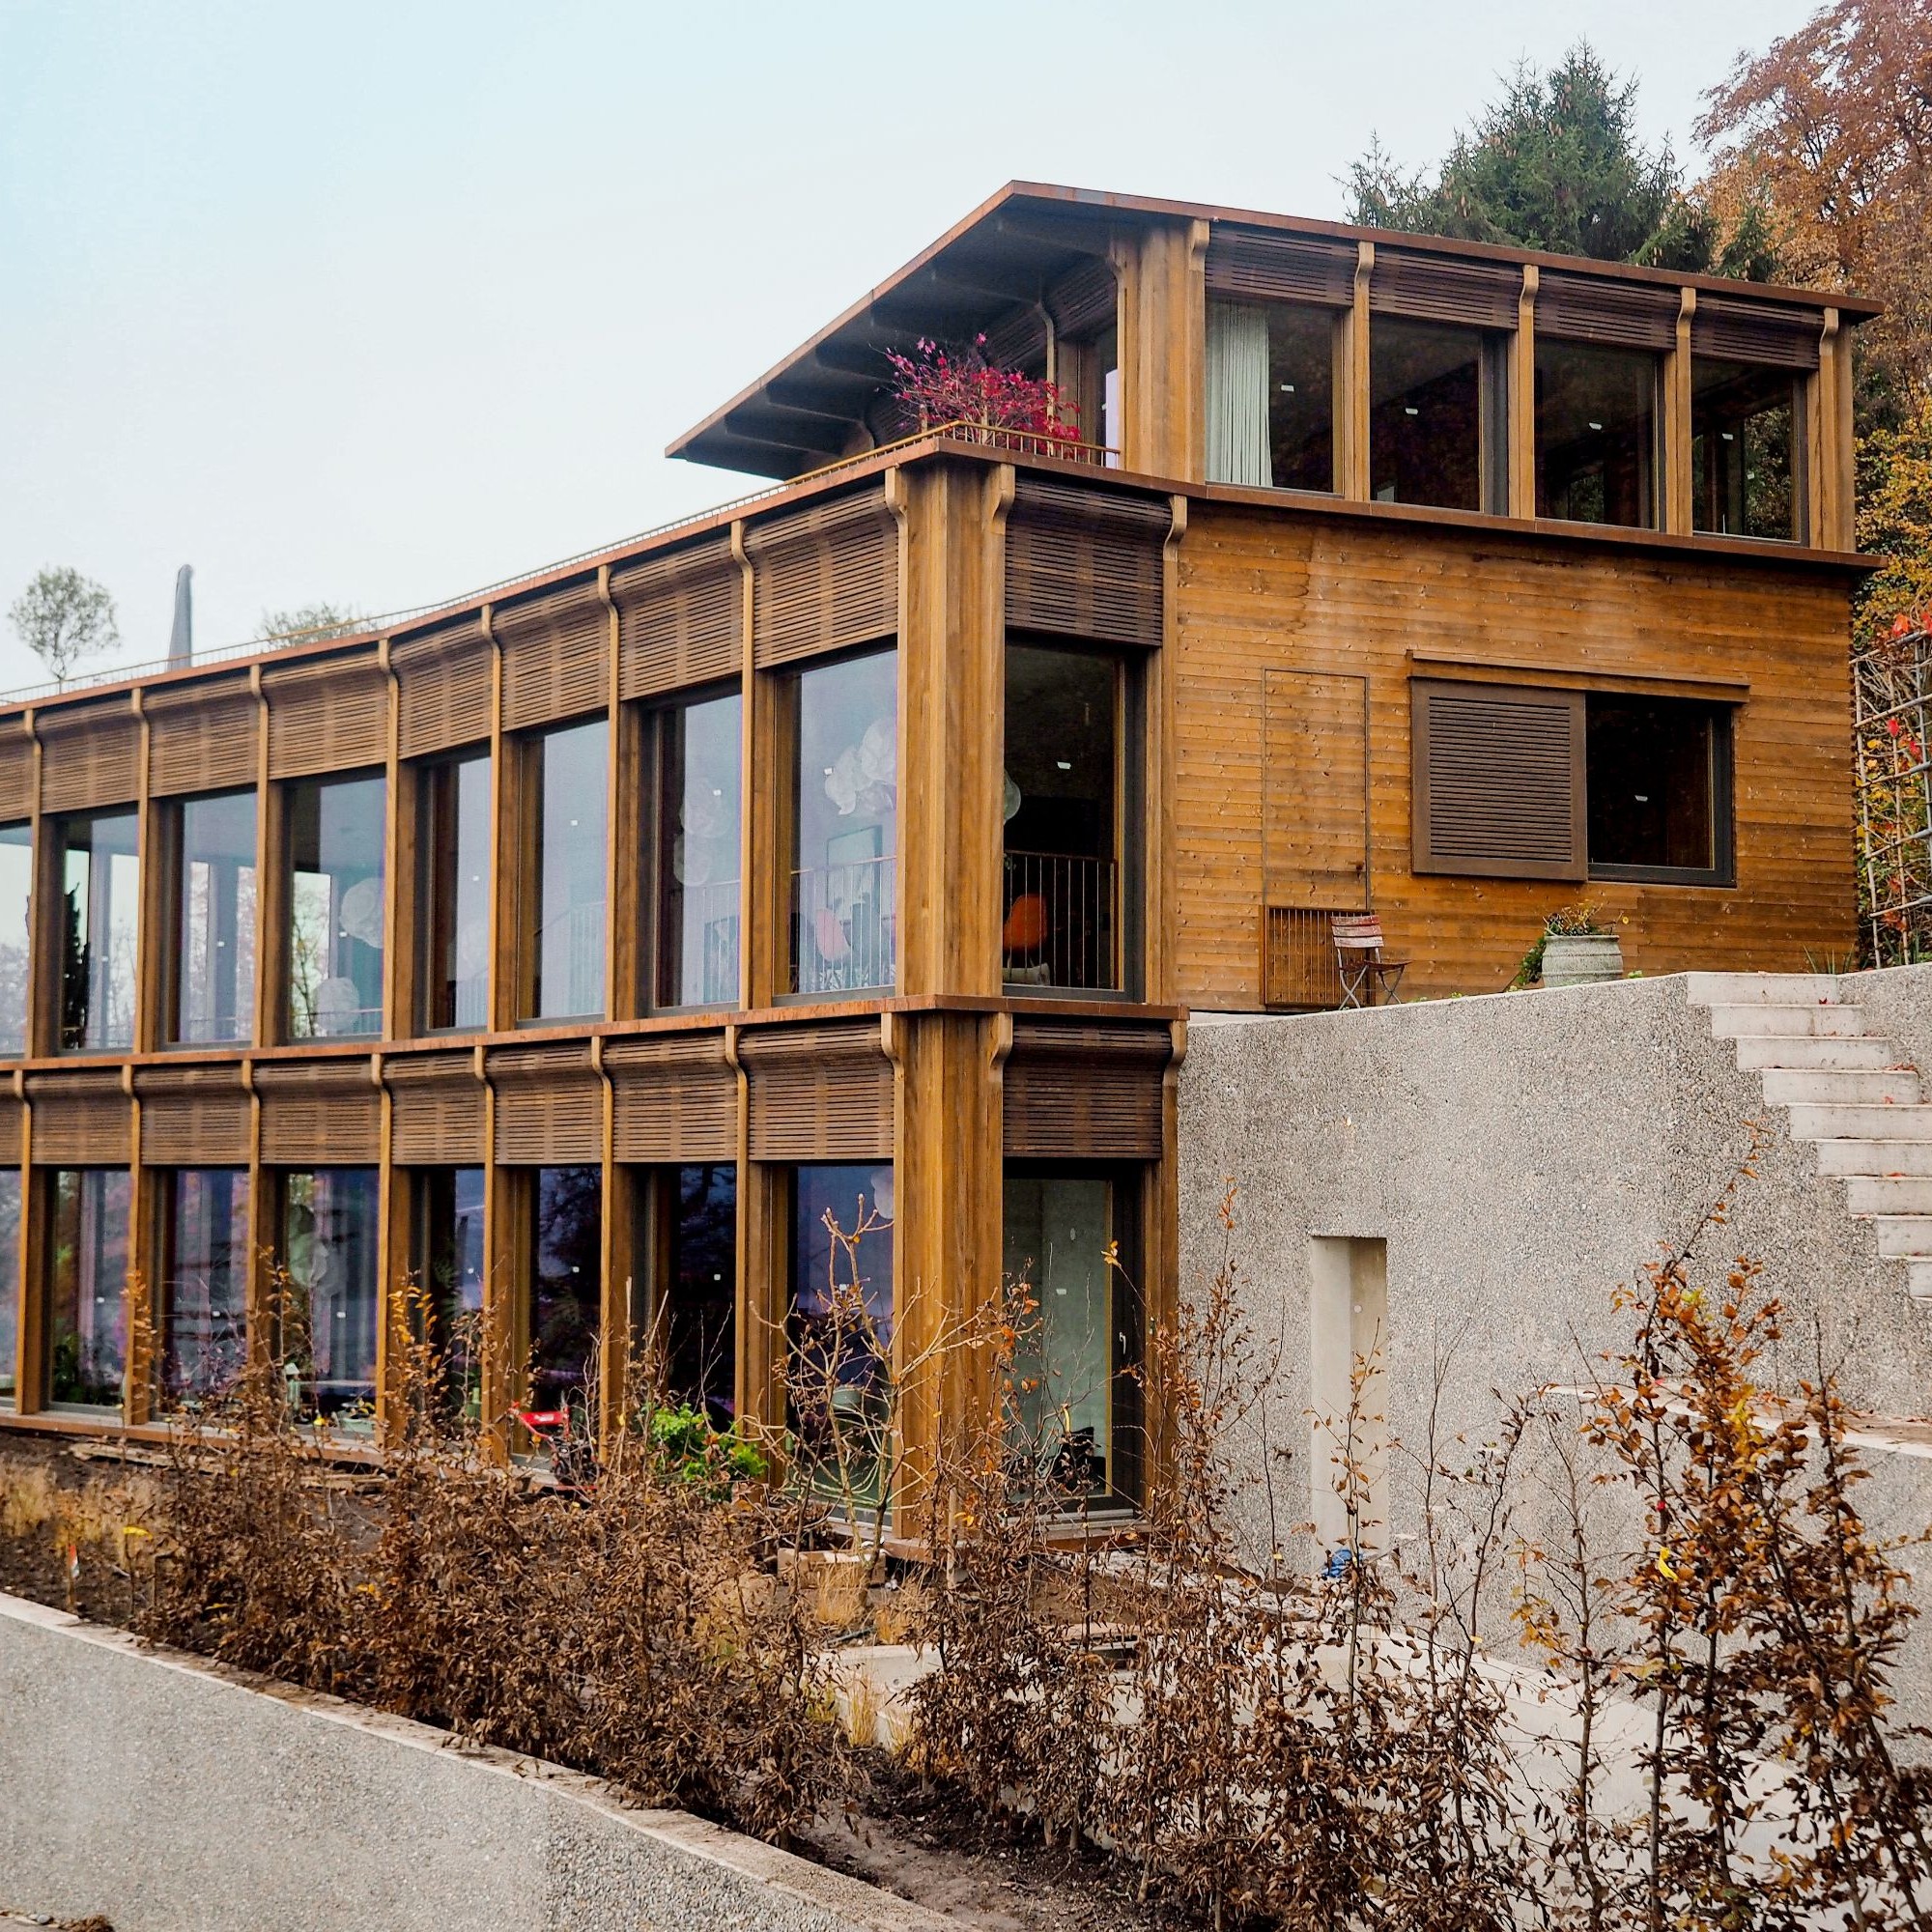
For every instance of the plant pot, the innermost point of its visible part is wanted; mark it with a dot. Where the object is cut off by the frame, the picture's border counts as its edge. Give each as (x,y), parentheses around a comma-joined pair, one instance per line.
(1581,958)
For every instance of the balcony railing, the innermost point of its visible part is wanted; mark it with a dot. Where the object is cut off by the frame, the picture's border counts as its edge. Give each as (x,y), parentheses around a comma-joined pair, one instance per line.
(1058,927)
(1298,960)
(844,926)
(701,940)
(570,957)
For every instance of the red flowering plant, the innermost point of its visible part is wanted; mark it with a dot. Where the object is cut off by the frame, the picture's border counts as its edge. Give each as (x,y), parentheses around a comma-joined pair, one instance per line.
(942,388)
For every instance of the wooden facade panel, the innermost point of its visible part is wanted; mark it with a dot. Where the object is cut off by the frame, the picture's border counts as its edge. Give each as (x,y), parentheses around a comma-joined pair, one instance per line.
(1315,788)
(17,772)
(1589,308)
(330,716)
(201,736)
(443,686)
(819,1092)
(1083,300)
(1755,331)
(80,1119)
(91,757)
(12,1125)
(1089,1093)
(319,1113)
(680,619)
(1446,288)
(557,655)
(194,1116)
(1085,563)
(549,1106)
(824,577)
(436,1110)
(672,1100)
(1264,264)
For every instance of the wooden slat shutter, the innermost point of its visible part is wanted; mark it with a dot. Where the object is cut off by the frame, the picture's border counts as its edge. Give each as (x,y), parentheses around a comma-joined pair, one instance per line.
(320,1113)
(16,771)
(194,1116)
(549,1106)
(80,1119)
(13,1118)
(443,686)
(1255,264)
(673,1099)
(1498,780)
(201,736)
(819,1092)
(1755,331)
(1596,308)
(436,1110)
(91,757)
(1084,1092)
(330,716)
(823,578)
(1085,299)
(680,618)
(1085,562)
(1446,287)
(555,655)
(1016,341)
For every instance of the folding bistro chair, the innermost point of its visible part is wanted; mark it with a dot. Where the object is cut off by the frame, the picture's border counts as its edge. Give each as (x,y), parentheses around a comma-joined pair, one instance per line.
(1359,961)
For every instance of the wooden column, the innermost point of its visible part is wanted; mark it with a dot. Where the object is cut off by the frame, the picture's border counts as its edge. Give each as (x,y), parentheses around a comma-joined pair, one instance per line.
(1351,385)
(1520,404)
(155,914)
(24,1331)
(500,1239)
(1163,348)
(44,958)
(614,1259)
(1162,690)
(1831,467)
(765,873)
(1678,481)
(268,890)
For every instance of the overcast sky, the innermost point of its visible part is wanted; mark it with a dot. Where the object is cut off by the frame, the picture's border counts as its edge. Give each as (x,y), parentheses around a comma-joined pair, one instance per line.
(375,303)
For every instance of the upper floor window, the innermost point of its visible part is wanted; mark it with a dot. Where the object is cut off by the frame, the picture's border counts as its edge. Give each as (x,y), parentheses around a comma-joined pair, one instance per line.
(100,887)
(699,764)
(1744,451)
(453,900)
(1596,433)
(210,991)
(16,893)
(565,895)
(1270,395)
(336,861)
(1436,415)
(845,825)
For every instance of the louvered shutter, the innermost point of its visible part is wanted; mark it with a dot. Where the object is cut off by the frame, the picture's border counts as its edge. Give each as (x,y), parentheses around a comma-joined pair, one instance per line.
(16,771)
(329,716)
(90,757)
(1085,563)
(1085,299)
(555,655)
(1598,308)
(680,618)
(823,578)
(194,1116)
(11,1121)
(443,686)
(1084,1092)
(1446,288)
(436,1110)
(1018,340)
(549,1106)
(673,1099)
(1255,264)
(819,1092)
(319,1113)
(1498,780)
(201,736)
(1741,330)
(80,1119)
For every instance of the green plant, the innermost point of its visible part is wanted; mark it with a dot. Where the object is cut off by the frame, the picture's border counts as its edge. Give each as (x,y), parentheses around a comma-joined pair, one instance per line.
(691,1449)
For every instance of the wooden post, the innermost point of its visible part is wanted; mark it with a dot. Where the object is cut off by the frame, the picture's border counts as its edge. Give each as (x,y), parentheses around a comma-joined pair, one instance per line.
(1831,468)
(25,1332)
(1679,484)
(1163,349)
(1351,386)
(1521,409)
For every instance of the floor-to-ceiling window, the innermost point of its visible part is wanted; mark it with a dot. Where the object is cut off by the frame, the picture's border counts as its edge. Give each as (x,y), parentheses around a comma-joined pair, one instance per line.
(692,1213)
(1744,449)
(10,1285)
(16,892)
(845,825)
(1436,406)
(449,1264)
(1270,395)
(565,899)
(565,1287)
(202,1296)
(330,1255)
(211,984)
(86,1274)
(100,893)
(453,902)
(336,857)
(1596,433)
(700,851)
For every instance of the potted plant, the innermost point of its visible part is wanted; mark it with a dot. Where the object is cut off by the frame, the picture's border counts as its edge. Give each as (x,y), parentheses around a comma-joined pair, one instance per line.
(1575,950)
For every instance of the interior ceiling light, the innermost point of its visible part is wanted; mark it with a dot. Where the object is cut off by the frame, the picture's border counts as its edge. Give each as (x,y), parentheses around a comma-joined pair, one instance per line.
(1407,412)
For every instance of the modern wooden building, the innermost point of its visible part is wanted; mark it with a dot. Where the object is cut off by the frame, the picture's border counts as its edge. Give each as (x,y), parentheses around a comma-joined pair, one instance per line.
(864,845)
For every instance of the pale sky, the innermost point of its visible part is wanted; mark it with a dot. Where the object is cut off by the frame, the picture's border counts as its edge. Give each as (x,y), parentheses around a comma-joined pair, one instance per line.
(375,303)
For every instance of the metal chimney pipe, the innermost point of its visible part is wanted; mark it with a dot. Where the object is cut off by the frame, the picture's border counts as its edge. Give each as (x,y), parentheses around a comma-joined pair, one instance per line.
(180,640)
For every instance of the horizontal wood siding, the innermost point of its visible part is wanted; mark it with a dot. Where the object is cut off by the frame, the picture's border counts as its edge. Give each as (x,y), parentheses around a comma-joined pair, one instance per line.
(549,1106)
(319,1113)
(819,1092)
(1089,1092)
(17,772)
(1755,331)
(443,686)
(194,1116)
(91,757)
(1582,308)
(1085,299)
(80,1119)
(1085,563)
(201,736)
(672,1100)
(824,577)
(555,655)
(12,1121)
(327,717)
(1446,288)
(1259,264)
(680,618)
(436,1110)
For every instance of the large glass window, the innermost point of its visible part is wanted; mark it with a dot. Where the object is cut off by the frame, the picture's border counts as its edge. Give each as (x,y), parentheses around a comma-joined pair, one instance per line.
(17,893)
(693,1216)
(330,1253)
(838,1372)
(335,906)
(1743,450)
(1658,789)
(449,1273)
(211,994)
(100,888)
(86,1265)
(10,1285)
(1436,406)
(203,1301)
(1596,433)
(1270,395)
(453,906)
(569,773)
(1061,913)
(701,778)
(845,826)
(565,1285)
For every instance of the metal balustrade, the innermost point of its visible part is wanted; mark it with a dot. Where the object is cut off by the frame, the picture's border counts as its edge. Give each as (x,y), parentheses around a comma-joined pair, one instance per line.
(844,926)
(1058,925)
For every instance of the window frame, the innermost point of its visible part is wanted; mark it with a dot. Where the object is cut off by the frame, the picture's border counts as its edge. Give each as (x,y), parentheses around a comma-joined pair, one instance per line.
(523,760)
(419,787)
(657,716)
(1722,780)
(171,847)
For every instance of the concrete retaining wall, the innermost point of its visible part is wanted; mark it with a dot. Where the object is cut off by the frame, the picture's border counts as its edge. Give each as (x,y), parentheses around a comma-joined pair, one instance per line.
(175,1797)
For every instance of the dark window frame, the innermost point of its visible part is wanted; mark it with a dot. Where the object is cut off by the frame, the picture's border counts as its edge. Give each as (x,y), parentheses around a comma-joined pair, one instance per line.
(1723,871)
(420,777)
(170,846)
(656,715)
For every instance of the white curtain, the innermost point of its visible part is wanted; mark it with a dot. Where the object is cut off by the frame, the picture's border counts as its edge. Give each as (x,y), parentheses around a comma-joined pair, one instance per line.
(1238,395)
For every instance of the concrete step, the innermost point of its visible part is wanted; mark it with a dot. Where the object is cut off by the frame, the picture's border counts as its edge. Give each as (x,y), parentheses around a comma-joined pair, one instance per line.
(1762,989)
(1826,1022)
(1884,1159)
(1812,1085)
(1919,1279)
(1867,1052)
(1906,1235)
(1871,1194)
(1840,1123)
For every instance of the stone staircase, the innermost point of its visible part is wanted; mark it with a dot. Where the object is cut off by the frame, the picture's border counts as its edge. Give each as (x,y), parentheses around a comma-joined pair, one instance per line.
(1843,1090)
